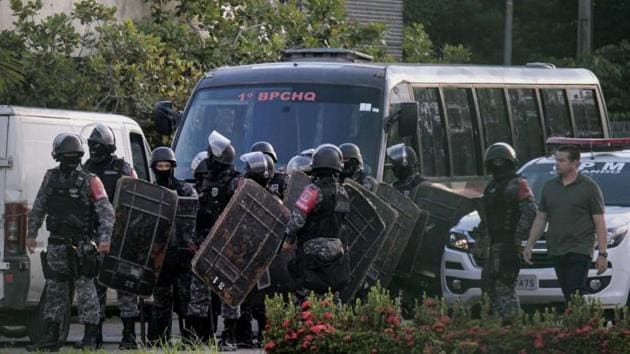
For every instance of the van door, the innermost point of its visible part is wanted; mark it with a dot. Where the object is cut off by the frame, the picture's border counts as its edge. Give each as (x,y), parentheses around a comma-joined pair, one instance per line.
(4,164)
(139,152)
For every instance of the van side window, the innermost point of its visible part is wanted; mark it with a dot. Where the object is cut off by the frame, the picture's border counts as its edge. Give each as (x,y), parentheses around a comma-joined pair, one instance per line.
(138,154)
(556,113)
(529,136)
(494,115)
(585,112)
(432,137)
(461,128)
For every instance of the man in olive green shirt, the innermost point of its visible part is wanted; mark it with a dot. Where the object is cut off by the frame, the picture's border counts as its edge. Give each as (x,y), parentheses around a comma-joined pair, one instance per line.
(573,206)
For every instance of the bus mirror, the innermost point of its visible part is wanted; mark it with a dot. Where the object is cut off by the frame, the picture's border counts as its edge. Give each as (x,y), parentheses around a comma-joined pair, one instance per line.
(165,117)
(408,119)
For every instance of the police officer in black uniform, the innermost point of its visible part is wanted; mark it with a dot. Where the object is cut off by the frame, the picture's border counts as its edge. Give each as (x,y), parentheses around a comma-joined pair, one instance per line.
(109,168)
(215,192)
(278,182)
(405,167)
(175,271)
(507,215)
(321,260)
(353,166)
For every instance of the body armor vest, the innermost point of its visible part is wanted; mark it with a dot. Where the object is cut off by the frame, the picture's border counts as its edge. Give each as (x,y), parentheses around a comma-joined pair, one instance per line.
(502,209)
(278,184)
(214,195)
(68,205)
(327,218)
(109,173)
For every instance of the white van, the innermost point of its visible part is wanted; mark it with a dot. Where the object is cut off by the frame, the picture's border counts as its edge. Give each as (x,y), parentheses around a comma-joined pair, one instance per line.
(26,136)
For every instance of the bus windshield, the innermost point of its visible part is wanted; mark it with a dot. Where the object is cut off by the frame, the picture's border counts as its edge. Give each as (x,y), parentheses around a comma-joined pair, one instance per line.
(292,117)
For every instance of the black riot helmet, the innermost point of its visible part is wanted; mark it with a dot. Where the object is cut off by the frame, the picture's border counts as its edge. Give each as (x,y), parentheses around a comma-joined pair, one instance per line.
(265,148)
(259,167)
(67,144)
(299,163)
(220,148)
(103,135)
(352,159)
(163,153)
(327,157)
(308,153)
(198,165)
(500,151)
(403,160)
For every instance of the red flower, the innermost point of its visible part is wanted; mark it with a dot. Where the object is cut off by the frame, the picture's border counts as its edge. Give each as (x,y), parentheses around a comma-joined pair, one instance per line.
(388,330)
(328,316)
(326,303)
(393,319)
(539,342)
(306,305)
(300,331)
(270,345)
(309,323)
(438,327)
(374,351)
(330,329)
(291,335)
(585,329)
(429,302)
(309,338)
(286,323)
(318,328)
(307,315)
(347,338)
(568,311)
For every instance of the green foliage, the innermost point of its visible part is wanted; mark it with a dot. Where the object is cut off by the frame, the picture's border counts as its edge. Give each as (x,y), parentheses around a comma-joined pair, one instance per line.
(10,68)
(418,48)
(125,67)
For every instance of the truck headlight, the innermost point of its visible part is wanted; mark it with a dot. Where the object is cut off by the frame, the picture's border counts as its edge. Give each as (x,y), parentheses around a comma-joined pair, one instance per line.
(615,236)
(458,241)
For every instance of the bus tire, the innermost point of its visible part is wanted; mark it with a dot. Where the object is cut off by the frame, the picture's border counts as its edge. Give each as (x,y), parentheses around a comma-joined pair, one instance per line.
(37,327)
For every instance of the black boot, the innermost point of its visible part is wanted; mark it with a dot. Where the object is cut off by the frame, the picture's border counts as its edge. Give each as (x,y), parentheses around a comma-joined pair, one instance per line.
(90,338)
(49,342)
(228,338)
(159,332)
(128,341)
(243,332)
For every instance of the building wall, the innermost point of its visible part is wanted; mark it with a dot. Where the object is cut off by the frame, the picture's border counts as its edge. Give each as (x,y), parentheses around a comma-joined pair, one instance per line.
(389,12)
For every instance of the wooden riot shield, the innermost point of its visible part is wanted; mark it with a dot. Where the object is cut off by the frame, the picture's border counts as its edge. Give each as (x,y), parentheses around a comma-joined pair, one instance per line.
(145,213)
(365,229)
(391,252)
(242,243)
(444,209)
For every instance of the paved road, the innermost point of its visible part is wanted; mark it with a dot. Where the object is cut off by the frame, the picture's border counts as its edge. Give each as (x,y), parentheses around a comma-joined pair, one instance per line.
(111,335)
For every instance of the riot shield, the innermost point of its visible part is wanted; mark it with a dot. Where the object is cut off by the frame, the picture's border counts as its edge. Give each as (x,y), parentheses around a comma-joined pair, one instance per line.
(186,215)
(444,207)
(366,229)
(145,213)
(394,246)
(242,243)
(297,181)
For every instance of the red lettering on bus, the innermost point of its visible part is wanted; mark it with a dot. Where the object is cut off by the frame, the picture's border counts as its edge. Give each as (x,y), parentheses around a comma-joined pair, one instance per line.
(285,96)
(263,96)
(310,96)
(297,96)
(273,95)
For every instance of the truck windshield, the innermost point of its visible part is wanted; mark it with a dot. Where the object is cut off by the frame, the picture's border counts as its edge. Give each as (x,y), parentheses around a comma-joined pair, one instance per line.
(292,117)
(610,176)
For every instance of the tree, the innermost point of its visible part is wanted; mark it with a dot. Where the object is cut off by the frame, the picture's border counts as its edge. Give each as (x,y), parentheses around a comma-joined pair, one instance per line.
(10,71)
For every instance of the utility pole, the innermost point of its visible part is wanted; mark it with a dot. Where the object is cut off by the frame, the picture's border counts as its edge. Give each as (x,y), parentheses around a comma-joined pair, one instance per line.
(585,27)
(507,36)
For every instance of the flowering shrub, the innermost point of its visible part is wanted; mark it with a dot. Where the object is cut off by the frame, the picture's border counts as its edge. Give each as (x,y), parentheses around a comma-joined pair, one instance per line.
(375,325)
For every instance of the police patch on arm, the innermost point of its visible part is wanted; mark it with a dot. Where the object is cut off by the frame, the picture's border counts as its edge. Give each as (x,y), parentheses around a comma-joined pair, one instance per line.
(308,200)
(97,190)
(524,191)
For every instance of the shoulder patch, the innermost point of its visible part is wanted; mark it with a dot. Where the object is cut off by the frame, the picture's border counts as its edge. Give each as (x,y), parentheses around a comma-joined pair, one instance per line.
(308,200)
(97,190)
(524,191)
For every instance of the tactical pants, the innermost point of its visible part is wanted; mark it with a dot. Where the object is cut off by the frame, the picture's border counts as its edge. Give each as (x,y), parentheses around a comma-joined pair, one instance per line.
(498,281)
(169,293)
(57,301)
(127,303)
(200,298)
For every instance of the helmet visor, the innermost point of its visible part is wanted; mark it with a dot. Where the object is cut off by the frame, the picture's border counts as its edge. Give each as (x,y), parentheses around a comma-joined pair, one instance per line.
(198,159)
(398,153)
(217,143)
(256,162)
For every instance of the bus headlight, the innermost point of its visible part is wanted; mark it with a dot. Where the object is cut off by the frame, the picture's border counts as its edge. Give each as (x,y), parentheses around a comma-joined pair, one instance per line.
(458,241)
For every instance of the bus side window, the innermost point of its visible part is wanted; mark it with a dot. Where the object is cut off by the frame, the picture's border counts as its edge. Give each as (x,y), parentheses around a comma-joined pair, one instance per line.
(461,129)
(556,113)
(587,119)
(494,115)
(529,136)
(138,154)
(432,137)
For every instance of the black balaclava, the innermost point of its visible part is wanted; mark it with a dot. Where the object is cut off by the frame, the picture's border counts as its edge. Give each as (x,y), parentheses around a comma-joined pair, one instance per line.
(403,172)
(501,169)
(163,178)
(215,168)
(98,152)
(69,162)
(350,168)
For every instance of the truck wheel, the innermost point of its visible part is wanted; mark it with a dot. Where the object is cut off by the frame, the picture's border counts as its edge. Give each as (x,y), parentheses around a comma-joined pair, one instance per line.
(37,326)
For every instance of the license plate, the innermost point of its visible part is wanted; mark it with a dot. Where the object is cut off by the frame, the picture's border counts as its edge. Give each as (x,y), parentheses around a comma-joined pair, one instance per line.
(5,266)
(527,282)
